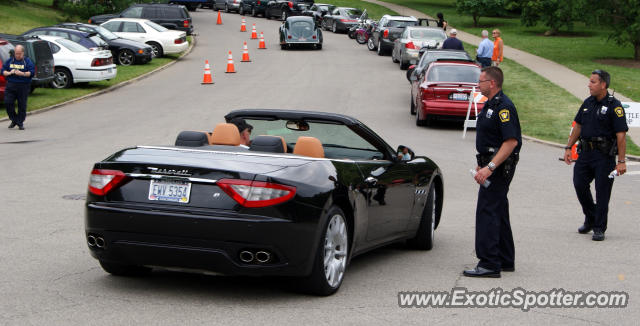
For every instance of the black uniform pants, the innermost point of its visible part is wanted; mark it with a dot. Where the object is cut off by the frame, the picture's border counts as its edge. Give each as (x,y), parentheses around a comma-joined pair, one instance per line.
(494,241)
(13,92)
(594,165)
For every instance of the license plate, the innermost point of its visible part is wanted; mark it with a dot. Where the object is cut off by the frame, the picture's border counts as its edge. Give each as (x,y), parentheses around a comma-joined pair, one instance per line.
(459,96)
(109,70)
(169,190)
(302,39)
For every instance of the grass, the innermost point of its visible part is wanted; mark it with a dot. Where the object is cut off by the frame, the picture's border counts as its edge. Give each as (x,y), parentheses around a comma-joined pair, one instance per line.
(577,49)
(373,10)
(18,17)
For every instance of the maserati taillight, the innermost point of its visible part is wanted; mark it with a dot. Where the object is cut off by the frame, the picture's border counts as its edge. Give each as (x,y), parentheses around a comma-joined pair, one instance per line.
(256,193)
(410,45)
(102,182)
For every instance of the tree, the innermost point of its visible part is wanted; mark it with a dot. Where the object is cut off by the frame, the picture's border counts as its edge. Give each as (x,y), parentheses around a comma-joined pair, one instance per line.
(552,13)
(479,8)
(622,17)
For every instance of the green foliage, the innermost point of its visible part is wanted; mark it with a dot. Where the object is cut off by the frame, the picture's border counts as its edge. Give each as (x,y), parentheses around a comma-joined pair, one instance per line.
(552,13)
(480,8)
(623,19)
(88,8)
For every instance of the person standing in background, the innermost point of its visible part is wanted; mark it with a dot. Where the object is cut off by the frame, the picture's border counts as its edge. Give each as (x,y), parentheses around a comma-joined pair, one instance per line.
(498,47)
(485,50)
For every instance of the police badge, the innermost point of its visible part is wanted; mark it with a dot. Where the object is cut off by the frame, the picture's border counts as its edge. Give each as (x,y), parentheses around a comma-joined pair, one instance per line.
(603,110)
(489,113)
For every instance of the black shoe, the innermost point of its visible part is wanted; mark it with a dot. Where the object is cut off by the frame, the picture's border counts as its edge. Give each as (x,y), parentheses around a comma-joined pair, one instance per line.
(597,236)
(13,124)
(21,127)
(583,229)
(481,272)
(508,269)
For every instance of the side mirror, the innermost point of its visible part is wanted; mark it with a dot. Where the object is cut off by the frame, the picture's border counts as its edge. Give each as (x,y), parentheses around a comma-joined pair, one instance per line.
(405,153)
(410,76)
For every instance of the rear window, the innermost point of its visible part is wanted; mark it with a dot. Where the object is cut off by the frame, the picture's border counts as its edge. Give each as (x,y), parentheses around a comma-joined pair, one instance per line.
(401,23)
(5,47)
(72,46)
(43,52)
(427,34)
(133,12)
(430,57)
(454,73)
(155,26)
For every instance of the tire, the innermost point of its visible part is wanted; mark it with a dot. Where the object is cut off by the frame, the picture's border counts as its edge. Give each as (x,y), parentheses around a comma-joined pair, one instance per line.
(126,57)
(283,46)
(62,78)
(380,51)
(370,45)
(334,247)
(425,234)
(266,14)
(241,10)
(404,65)
(420,122)
(393,57)
(254,12)
(318,46)
(352,34)
(334,27)
(413,106)
(226,8)
(360,38)
(124,270)
(156,49)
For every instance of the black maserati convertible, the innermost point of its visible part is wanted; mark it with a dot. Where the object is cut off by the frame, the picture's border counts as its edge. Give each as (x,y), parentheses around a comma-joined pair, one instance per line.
(312,191)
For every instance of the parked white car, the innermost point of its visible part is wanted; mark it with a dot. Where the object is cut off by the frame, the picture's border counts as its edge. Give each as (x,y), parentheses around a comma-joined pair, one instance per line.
(75,63)
(162,40)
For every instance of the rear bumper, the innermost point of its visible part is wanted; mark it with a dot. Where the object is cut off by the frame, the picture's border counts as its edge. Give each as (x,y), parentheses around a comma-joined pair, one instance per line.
(448,108)
(211,241)
(411,56)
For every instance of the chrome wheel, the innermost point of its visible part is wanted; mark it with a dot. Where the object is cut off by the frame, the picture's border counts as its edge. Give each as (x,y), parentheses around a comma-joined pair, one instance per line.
(284,15)
(125,57)
(61,78)
(370,45)
(334,27)
(253,12)
(335,250)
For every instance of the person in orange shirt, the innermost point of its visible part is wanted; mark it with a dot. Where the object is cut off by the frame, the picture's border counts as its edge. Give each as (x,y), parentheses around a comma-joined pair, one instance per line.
(498,46)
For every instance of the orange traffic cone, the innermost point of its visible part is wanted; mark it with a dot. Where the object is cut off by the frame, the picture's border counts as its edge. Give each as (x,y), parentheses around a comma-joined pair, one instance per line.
(219,21)
(207,74)
(230,67)
(245,53)
(261,45)
(243,26)
(254,35)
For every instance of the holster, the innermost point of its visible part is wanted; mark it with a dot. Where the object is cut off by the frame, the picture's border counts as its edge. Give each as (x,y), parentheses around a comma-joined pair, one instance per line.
(506,168)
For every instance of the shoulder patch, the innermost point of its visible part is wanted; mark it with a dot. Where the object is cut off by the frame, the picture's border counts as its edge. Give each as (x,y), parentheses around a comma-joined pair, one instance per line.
(619,112)
(504,115)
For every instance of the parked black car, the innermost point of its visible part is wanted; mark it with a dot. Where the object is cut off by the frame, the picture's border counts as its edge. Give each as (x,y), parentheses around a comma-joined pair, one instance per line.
(90,40)
(320,190)
(227,5)
(319,10)
(286,8)
(125,52)
(341,19)
(40,53)
(391,27)
(300,31)
(171,16)
(254,7)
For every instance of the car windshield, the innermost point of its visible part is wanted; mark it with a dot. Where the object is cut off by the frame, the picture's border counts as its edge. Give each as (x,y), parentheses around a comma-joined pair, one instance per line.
(301,29)
(427,34)
(105,33)
(401,23)
(454,73)
(353,13)
(432,56)
(71,45)
(156,26)
(338,141)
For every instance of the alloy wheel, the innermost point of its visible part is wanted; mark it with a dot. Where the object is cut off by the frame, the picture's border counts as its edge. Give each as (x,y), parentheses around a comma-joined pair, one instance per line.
(335,250)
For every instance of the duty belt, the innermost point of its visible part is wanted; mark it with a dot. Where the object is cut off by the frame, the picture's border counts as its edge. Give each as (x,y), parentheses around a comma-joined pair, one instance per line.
(602,144)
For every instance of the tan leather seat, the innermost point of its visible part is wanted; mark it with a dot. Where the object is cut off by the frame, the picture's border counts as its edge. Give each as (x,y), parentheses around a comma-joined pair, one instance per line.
(226,134)
(309,146)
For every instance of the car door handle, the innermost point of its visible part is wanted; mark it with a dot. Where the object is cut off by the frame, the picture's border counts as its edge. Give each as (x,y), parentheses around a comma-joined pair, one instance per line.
(371,181)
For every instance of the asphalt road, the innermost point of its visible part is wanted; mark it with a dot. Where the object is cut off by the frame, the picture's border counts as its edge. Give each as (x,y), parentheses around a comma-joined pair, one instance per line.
(48,278)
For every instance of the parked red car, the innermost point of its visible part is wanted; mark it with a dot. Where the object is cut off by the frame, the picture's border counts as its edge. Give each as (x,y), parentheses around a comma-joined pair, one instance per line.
(5,48)
(445,90)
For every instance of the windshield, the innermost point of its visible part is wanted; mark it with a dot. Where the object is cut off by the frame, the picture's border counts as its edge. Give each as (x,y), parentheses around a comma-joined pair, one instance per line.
(401,23)
(432,56)
(353,13)
(427,34)
(454,73)
(71,45)
(105,33)
(156,26)
(338,140)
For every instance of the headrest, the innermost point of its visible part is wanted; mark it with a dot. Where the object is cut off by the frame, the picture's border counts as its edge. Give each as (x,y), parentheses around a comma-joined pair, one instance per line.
(272,144)
(226,134)
(192,139)
(309,146)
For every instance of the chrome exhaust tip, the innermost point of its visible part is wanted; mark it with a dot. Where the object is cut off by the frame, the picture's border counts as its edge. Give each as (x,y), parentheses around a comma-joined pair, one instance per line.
(246,256)
(91,241)
(263,256)
(99,242)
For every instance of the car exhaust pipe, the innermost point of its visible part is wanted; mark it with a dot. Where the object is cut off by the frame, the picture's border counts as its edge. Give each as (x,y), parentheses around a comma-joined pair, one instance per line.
(263,256)
(91,241)
(99,242)
(246,256)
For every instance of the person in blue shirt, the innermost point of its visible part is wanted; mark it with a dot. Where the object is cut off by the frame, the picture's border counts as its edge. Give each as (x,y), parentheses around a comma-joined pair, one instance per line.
(453,42)
(18,71)
(485,50)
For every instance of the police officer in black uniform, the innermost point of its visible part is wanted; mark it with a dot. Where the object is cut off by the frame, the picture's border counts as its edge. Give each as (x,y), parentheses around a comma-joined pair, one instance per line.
(601,127)
(498,142)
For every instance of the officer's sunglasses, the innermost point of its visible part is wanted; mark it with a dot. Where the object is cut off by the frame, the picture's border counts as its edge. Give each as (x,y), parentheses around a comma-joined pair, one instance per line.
(603,75)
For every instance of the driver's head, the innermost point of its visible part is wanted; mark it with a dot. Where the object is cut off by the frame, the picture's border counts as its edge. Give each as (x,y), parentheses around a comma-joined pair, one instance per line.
(245,130)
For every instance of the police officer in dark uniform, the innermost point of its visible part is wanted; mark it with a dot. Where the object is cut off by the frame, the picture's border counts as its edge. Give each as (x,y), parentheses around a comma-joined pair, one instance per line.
(601,127)
(498,142)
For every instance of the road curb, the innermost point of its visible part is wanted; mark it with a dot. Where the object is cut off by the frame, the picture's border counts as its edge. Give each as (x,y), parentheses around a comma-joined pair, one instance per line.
(113,87)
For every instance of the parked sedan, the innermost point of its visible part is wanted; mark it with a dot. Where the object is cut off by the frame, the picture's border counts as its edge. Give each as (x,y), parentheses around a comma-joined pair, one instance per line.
(286,8)
(300,30)
(406,48)
(227,5)
(254,7)
(321,189)
(126,52)
(341,19)
(162,40)
(318,11)
(90,40)
(446,90)
(75,64)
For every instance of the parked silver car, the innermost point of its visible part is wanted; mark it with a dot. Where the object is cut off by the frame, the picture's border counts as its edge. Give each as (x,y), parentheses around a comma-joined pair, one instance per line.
(406,48)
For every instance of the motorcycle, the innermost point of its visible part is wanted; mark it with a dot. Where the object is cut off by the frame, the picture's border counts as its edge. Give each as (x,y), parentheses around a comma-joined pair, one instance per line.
(364,31)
